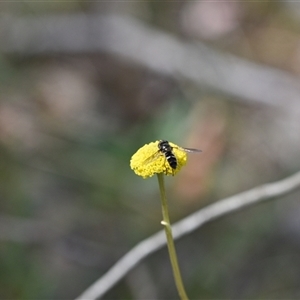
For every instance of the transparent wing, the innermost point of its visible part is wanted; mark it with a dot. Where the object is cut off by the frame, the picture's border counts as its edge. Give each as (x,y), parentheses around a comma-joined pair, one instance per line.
(153,157)
(188,149)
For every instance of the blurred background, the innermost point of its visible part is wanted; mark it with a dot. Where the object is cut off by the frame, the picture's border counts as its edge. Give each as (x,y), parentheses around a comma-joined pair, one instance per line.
(84,84)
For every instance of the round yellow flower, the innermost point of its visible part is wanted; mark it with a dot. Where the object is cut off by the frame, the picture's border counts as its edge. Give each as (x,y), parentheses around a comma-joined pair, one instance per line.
(149,160)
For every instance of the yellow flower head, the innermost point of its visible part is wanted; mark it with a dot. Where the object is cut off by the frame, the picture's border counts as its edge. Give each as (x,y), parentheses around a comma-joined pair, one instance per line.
(149,160)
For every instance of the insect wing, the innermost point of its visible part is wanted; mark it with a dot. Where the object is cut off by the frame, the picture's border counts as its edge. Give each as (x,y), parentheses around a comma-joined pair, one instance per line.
(153,157)
(189,149)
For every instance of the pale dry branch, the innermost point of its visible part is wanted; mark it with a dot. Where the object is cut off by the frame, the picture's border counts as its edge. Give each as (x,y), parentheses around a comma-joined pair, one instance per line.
(185,226)
(138,43)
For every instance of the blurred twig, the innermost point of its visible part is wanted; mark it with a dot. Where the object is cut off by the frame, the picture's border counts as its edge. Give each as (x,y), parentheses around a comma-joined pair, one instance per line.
(161,52)
(185,226)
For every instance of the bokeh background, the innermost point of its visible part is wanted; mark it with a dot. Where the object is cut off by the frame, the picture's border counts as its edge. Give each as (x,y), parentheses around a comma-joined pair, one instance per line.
(84,84)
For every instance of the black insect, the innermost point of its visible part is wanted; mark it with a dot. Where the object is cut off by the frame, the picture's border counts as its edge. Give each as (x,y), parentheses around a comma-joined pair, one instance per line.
(165,148)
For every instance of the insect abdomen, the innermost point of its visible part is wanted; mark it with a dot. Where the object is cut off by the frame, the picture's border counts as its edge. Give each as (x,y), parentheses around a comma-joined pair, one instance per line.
(171,160)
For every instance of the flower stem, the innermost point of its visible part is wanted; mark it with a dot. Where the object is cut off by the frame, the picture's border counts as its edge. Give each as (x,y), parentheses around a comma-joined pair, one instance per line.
(170,241)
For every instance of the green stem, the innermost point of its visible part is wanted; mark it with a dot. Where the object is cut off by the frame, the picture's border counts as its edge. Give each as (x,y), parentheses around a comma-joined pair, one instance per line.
(170,241)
